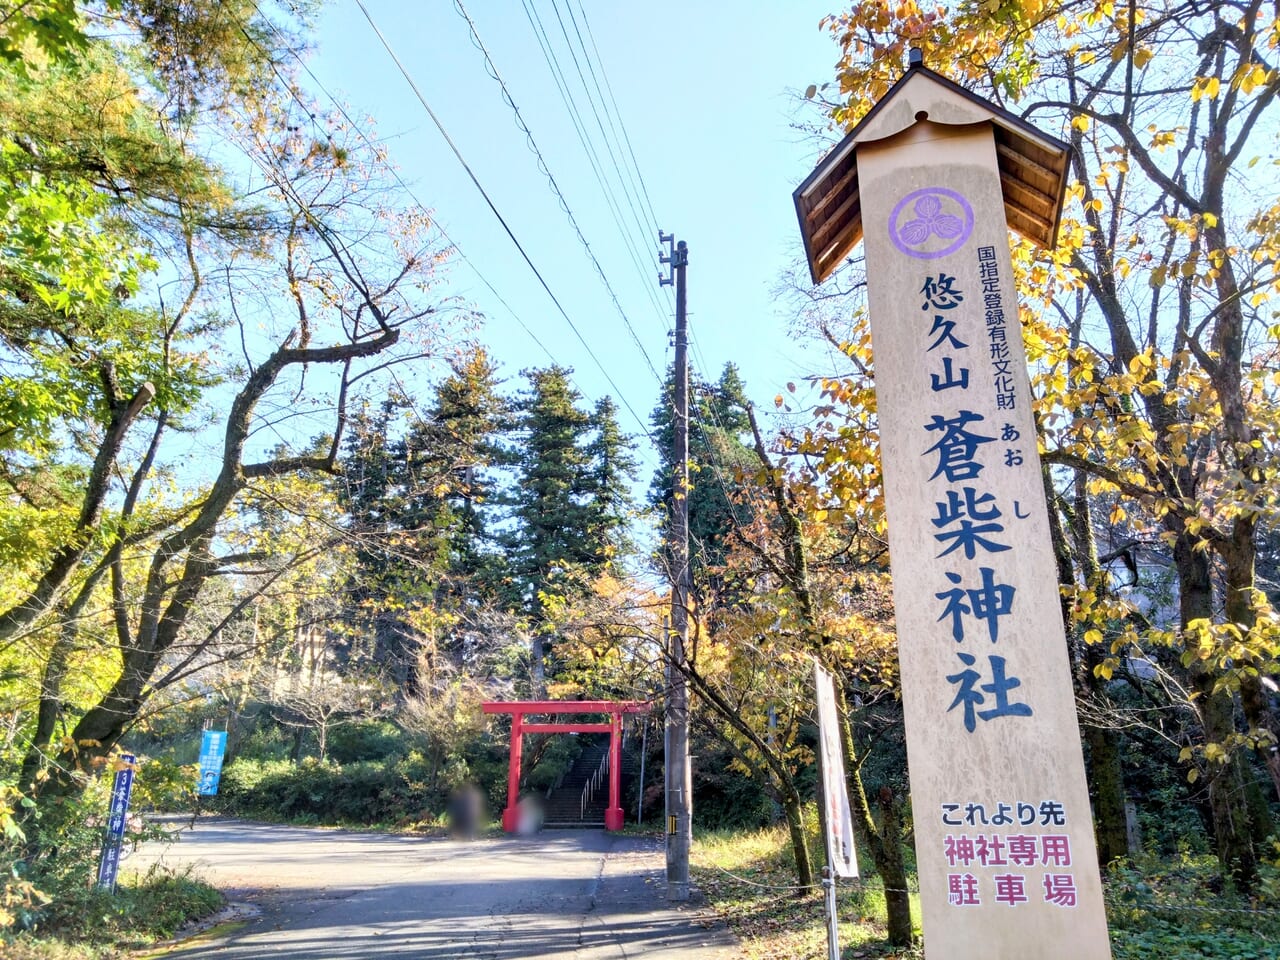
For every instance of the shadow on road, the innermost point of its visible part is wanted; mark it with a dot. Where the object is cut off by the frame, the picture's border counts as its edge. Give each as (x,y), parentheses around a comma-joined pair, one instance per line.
(331,895)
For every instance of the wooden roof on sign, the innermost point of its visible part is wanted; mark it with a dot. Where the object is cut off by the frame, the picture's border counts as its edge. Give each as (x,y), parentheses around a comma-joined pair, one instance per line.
(1033,166)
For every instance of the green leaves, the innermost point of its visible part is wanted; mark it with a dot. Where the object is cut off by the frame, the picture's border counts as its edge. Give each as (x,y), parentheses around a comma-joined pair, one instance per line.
(42,30)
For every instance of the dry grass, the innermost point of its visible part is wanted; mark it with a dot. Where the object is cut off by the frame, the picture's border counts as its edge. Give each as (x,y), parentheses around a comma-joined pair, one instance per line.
(749,880)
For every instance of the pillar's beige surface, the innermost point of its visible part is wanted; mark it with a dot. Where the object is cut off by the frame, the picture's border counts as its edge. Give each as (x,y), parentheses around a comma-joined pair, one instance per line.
(1004,835)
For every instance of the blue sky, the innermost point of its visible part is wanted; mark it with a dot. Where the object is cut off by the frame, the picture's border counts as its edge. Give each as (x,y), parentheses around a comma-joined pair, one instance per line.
(706,93)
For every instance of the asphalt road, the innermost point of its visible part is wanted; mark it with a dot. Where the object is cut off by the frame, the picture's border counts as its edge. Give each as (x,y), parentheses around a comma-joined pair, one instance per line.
(333,895)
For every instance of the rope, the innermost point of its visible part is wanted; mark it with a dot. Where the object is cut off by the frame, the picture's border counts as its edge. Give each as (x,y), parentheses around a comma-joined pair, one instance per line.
(1112,900)
(817,884)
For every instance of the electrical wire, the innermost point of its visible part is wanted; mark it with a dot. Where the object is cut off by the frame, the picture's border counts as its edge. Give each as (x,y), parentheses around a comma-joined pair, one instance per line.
(379,156)
(564,32)
(390,168)
(644,190)
(597,165)
(497,214)
(555,187)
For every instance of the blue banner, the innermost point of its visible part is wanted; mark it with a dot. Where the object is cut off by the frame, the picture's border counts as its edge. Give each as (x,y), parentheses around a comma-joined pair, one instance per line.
(213,747)
(121,791)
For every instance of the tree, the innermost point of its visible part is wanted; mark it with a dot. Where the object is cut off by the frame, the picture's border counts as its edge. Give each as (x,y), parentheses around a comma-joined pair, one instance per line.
(1150,321)
(843,624)
(717,452)
(138,550)
(415,488)
(612,468)
(565,500)
(459,443)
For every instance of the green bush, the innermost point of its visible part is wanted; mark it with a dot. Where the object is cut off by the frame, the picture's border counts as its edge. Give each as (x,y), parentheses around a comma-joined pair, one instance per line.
(723,797)
(150,908)
(366,793)
(362,742)
(1180,911)
(153,908)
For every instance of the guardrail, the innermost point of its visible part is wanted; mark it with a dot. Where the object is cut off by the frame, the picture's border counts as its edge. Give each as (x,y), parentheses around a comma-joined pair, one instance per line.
(592,785)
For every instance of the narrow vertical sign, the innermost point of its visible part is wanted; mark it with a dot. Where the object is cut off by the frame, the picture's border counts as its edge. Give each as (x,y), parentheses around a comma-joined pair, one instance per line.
(1004,834)
(213,747)
(841,856)
(118,814)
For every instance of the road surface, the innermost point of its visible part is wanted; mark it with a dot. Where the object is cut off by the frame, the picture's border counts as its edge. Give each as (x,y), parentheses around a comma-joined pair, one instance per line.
(335,895)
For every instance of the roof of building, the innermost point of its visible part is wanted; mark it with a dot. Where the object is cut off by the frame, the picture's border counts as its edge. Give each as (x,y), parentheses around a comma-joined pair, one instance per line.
(1033,166)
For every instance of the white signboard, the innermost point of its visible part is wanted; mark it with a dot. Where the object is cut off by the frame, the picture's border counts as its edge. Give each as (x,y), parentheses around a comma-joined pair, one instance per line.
(841,855)
(1004,835)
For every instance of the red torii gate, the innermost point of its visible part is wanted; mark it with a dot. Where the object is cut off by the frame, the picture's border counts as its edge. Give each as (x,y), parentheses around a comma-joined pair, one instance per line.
(518,709)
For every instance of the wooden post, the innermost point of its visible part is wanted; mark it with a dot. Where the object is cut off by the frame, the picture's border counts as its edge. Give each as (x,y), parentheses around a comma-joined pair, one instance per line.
(679,778)
(931,180)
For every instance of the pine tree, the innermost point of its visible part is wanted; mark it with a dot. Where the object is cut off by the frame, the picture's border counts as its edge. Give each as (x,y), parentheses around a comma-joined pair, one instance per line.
(566,501)
(718,451)
(612,469)
(416,491)
(452,455)
(552,541)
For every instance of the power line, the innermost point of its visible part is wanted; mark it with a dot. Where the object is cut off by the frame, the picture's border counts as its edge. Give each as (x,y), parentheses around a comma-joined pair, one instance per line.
(597,165)
(379,156)
(551,180)
(644,190)
(501,220)
(390,168)
(596,113)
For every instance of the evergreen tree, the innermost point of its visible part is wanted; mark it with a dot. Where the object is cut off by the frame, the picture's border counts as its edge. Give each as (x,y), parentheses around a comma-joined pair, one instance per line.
(416,488)
(719,450)
(612,469)
(569,503)
(452,456)
(552,540)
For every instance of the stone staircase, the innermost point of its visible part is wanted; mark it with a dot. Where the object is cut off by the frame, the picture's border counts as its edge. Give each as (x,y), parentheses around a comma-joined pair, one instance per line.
(563,807)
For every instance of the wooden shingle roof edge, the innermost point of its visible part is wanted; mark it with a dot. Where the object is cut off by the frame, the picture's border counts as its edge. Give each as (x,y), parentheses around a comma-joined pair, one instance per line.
(1033,166)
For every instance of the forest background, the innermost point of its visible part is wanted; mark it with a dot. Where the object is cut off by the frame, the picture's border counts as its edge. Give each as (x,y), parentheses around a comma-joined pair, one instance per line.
(202,261)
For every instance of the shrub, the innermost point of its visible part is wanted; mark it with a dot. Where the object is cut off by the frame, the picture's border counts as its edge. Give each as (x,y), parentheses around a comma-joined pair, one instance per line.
(366,793)
(365,741)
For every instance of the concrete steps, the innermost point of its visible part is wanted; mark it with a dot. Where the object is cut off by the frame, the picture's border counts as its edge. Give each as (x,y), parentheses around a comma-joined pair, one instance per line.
(563,807)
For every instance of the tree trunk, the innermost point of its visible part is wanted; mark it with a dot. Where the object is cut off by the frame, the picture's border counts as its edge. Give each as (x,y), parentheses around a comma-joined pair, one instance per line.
(769,771)
(1262,724)
(1105,773)
(1227,800)
(793,809)
(884,838)
(1239,573)
(1106,778)
(894,870)
(537,666)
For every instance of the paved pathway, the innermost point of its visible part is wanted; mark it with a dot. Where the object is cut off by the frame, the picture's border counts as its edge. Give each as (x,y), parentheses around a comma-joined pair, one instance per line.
(334,895)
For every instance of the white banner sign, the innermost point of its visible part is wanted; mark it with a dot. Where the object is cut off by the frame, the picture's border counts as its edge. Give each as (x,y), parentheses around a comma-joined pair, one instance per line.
(841,856)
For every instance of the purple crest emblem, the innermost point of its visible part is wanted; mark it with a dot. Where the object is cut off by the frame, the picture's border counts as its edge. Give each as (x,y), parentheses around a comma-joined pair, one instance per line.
(931,222)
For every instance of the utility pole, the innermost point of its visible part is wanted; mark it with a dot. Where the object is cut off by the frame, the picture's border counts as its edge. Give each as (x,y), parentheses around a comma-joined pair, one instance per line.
(679,780)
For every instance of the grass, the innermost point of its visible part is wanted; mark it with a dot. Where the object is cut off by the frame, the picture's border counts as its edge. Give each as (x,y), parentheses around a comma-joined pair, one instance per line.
(1173,911)
(749,880)
(96,925)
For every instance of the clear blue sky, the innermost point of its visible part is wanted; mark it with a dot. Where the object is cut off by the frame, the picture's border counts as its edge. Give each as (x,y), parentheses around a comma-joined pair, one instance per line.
(706,92)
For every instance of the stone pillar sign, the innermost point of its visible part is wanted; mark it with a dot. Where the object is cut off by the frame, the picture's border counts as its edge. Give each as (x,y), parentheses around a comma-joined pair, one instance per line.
(931,182)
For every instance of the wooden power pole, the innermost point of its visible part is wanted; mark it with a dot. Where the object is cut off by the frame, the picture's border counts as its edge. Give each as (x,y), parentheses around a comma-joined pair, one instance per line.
(679,792)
